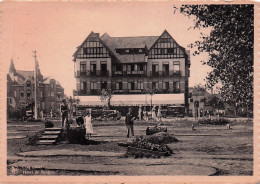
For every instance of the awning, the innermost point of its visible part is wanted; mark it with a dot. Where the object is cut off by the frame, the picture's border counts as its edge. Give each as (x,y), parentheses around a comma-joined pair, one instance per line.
(125,100)
(134,100)
(90,101)
(168,99)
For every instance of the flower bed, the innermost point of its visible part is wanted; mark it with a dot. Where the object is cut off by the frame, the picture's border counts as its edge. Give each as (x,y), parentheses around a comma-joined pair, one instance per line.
(214,121)
(156,129)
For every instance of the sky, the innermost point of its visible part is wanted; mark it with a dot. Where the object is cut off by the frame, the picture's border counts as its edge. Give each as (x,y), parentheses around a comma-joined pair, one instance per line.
(55,29)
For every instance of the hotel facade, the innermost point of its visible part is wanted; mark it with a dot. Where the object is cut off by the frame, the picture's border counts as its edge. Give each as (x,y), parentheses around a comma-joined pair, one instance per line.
(141,70)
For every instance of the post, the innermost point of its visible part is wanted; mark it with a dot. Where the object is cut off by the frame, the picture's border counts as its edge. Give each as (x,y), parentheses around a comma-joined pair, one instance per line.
(35,84)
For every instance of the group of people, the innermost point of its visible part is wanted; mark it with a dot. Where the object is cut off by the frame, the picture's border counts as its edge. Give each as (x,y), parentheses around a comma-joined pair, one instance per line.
(129,120)
(143,113)
(86,122)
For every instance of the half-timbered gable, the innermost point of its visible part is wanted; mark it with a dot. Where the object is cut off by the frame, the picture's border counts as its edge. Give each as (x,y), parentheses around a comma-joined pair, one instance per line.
(166,48)
(92,47)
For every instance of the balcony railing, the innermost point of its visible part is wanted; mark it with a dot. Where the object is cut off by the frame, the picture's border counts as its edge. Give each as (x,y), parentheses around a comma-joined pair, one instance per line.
(165,73)
(92,73)
(124,91)
(129,73)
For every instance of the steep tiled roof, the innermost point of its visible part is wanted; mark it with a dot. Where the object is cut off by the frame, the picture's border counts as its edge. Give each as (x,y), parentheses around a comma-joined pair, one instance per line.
(130,58)
(129,42)
(25,74)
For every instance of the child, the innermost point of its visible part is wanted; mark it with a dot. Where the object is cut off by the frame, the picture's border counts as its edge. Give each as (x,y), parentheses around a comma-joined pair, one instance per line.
(88,124)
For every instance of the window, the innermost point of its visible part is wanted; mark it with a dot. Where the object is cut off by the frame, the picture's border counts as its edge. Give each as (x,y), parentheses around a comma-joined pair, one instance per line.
(52,93)
(166,85)
(58,96)
(52,85)
(83,85)
(41,95)
(131,85)
(28,94)
(140,50)
(14,93)
(176,66)
(127,50)
(191,100)
(43,105)
(176,86)
(163,51)
(170,51)
(140,67)
(132,67)
(93,85)
(22,94)
(140,85)
(155,85)
(119,85)
(28,83)
(118,67)
(82,66)
(93,66)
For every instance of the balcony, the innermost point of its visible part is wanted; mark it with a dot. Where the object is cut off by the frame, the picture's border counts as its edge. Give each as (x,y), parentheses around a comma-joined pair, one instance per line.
(87,92)
(165,73)
(127,91)
(129,73)
(91,73)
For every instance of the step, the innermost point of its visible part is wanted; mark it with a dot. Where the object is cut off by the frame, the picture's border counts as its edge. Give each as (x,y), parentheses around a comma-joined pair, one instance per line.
(53,129)
(46,141)
(49,137)
(51,132)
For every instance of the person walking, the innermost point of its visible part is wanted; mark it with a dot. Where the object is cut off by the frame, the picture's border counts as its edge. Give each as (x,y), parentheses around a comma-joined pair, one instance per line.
(64,114)
(88,124)
(129,121)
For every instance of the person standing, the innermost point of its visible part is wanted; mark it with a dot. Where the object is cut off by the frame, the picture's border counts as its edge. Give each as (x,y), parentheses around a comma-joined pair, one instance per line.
(64,113)
(129,121)
(140,113)
(154,113)
(159,113)
(145,115)
(88,124)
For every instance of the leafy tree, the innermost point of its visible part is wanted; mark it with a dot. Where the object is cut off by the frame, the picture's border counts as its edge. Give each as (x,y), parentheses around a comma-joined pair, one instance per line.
(230,48)
(198,90)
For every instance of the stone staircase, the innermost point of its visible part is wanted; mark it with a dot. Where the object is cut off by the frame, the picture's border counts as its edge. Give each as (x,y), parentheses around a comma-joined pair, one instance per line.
(50,136)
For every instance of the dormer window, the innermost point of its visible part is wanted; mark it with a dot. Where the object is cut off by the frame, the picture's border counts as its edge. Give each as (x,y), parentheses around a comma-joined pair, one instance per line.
(28,83)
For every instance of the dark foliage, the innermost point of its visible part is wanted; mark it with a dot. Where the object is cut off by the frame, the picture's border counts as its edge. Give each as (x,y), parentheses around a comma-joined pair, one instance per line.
(156,129)
(230,46)
(49,124)
(214,121)
(76,135)
(34,138)
(161,138)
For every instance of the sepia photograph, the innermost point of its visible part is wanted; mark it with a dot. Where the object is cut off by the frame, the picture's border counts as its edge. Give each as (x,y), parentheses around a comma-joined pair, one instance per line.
(128,88)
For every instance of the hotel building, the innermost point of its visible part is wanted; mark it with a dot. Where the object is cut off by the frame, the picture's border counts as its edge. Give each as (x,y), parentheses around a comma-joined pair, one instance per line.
(140,70)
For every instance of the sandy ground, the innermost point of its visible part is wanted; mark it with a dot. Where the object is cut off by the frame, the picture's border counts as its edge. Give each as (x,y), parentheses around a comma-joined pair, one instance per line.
(209,150)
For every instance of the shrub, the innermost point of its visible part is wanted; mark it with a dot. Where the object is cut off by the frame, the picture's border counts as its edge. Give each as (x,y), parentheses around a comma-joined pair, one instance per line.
(76,135)
(33,139)
(214,121)
(49,124)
